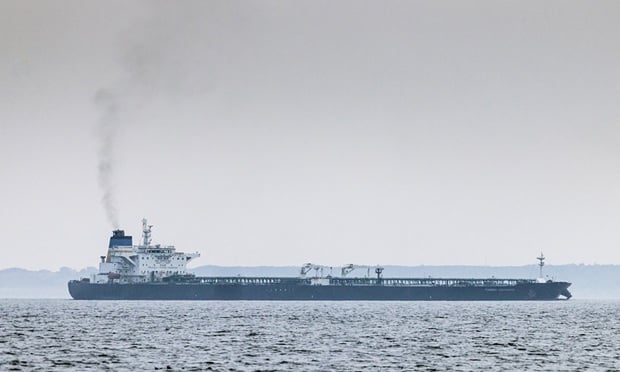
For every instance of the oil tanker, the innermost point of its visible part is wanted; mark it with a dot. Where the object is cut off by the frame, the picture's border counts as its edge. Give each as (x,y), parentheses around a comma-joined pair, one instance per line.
(154,272)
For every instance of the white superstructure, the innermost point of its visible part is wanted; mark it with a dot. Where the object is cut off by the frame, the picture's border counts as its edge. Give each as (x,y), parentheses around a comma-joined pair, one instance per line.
(128,263)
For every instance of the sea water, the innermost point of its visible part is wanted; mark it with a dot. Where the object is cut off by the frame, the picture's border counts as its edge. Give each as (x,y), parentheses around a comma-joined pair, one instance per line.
(315,336)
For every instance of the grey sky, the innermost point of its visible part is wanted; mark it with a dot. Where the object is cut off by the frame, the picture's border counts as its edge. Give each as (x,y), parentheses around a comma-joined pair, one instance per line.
(391,132)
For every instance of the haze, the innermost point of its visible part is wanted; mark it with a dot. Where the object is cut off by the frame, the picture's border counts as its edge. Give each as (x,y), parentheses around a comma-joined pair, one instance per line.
(278,133)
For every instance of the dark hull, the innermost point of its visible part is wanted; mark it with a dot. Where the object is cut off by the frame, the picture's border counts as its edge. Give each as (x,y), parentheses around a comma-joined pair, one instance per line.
(83,290)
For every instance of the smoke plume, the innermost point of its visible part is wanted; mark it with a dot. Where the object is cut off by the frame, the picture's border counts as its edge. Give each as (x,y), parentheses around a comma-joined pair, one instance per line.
(107,128)
(148,68)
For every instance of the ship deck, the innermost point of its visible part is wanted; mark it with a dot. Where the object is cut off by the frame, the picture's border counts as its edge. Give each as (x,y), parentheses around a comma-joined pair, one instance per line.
(339,281)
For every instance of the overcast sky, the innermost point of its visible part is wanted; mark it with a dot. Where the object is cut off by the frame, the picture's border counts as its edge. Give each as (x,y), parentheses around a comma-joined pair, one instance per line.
(284,132)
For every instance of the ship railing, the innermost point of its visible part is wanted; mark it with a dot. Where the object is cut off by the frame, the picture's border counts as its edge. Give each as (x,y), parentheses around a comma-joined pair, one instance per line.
(431,282)
(452,282)
(394,282)
(250,280)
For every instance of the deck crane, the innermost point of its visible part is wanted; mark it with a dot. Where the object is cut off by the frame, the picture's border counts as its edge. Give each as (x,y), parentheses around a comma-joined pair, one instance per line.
(306,268)
(346,269)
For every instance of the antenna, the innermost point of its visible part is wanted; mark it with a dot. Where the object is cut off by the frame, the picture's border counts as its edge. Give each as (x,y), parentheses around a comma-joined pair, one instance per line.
(541,258)
(378,271)
(146,232)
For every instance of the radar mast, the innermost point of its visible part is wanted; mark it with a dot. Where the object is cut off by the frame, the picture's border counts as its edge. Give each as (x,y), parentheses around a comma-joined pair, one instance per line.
(541,258)
(146,233)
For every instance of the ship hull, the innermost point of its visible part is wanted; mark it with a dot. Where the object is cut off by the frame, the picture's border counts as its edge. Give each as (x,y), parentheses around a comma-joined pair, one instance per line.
(84,290)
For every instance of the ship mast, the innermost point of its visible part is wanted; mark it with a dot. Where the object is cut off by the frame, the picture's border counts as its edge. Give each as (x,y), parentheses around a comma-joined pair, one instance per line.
(541,258)
(146,233)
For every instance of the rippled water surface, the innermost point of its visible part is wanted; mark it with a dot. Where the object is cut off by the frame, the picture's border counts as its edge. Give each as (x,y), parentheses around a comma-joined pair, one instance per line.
(124,335)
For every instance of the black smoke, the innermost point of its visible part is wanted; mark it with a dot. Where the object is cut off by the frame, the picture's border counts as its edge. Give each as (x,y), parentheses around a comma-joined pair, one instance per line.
(107,128)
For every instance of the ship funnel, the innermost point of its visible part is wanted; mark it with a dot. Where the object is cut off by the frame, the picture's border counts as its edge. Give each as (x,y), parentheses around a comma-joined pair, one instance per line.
(119,239)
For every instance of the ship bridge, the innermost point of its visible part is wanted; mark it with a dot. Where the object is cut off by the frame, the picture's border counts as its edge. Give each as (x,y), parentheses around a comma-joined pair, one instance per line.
(146,262)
